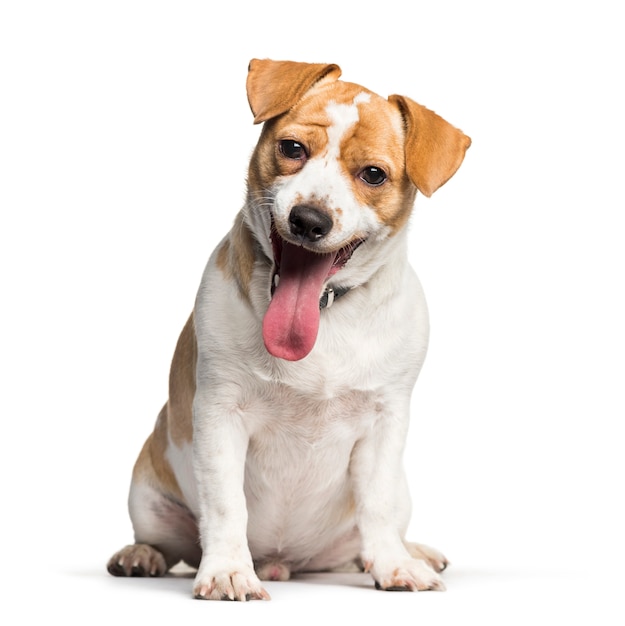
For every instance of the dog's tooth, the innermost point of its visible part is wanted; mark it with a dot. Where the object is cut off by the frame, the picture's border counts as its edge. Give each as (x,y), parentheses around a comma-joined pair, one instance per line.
(276,280)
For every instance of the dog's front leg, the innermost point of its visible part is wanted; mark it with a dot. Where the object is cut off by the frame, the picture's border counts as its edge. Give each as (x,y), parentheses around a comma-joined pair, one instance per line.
(220,445)
(383,507)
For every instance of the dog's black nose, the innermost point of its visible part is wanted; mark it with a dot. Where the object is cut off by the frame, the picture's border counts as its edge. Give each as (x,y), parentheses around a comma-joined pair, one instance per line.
(308,223)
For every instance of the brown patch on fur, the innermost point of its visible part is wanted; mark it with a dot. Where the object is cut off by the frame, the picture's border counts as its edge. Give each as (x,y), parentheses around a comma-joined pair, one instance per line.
(182,385)
(152,466)
(395,215)
(242,257)
(175,419)
(223,259)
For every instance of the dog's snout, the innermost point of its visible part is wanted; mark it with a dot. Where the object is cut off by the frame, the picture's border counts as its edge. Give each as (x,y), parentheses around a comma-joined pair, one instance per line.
(308,223)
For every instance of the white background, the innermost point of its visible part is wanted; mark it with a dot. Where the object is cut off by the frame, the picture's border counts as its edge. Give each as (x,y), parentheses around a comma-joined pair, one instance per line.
(124,139)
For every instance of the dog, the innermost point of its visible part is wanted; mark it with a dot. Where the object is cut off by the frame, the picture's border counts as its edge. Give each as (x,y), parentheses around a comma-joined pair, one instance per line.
(279,448)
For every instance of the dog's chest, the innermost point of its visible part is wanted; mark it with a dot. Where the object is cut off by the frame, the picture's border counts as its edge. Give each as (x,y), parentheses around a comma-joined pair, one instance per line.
(303,444)
(285,423)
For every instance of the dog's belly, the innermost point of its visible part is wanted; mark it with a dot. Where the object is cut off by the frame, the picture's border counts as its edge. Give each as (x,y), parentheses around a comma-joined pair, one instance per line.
(299,493)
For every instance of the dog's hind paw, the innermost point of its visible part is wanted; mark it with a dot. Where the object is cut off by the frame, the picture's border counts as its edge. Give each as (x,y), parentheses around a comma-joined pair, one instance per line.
(237,582)
(138,559)
(407,575)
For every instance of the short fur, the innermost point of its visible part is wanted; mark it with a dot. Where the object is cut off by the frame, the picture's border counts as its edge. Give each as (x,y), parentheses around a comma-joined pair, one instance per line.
(279,449)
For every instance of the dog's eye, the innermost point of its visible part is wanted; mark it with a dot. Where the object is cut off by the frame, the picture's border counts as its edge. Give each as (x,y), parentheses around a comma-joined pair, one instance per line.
(292,149)
(373,176)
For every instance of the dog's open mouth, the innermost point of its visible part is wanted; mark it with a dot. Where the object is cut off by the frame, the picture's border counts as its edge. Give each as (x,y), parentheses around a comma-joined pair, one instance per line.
(291,323)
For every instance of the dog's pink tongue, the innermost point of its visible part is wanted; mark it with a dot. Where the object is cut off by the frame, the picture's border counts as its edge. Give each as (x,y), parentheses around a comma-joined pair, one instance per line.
(292,320)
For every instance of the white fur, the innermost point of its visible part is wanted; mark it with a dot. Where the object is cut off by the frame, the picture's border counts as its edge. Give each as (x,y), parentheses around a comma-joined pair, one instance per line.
(180,458)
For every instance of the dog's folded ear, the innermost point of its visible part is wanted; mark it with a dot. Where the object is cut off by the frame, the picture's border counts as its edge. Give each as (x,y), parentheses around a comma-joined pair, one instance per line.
(273,87)
(434,148)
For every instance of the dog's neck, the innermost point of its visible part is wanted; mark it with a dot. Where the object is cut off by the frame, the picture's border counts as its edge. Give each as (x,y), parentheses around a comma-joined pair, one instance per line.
(394,250)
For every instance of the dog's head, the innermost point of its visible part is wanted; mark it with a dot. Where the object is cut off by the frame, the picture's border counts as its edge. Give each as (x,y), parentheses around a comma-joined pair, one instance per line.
(334,174)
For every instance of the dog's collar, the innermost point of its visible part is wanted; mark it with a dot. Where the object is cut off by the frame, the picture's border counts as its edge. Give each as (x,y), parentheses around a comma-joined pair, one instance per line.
(330,295)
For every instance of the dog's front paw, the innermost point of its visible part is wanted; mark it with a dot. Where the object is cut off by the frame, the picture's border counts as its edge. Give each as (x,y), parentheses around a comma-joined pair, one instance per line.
(405,575)
(226,580)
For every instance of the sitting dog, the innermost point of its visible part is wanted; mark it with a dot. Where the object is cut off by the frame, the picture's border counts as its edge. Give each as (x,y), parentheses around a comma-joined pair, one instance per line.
(280,447)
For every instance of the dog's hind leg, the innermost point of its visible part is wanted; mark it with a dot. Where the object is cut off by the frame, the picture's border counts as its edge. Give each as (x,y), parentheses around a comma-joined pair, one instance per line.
(165,534)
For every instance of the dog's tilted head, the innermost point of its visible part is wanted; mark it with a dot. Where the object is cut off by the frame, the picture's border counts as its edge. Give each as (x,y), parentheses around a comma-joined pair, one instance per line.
(334,174)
